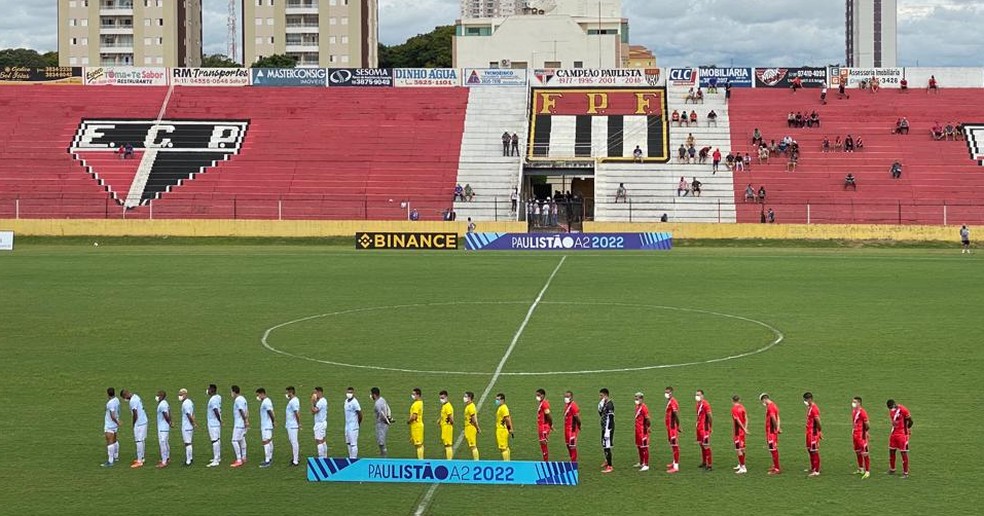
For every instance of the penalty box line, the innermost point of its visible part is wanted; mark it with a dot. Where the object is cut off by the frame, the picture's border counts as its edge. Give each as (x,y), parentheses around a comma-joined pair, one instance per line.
(429,495)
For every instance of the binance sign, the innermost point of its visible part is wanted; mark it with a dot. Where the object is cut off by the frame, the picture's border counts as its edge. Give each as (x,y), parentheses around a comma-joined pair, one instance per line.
(406,240)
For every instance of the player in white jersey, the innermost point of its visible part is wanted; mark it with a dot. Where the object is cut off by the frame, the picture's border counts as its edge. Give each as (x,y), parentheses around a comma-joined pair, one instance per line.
(188,424)
(111,428)
(163,428)
(319,407)
(240,423)
(214,420)
(292,420)
(353,419)
(139,425)
(266,426)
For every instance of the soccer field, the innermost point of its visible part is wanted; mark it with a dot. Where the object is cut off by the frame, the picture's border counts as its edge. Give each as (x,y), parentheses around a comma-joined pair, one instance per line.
(876,323)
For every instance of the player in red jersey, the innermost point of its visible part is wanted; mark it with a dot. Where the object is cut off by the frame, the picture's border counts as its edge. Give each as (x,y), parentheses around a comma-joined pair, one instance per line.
(673,429)
(739,419)
(899,440)
(544,422)
(772,431)
(814,433)
(860,423)
(703,430)
(572,424)
(642,424)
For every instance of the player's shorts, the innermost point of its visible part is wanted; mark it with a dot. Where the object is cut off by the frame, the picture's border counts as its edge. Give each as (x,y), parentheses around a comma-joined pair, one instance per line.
(111,429)
(642,440)
(163,437)
(772,441)
(898,442)
(544,433)
(417,436)
(703,438)
(238,433)
(382,430)
(740,442)
(812,442)
(471,436)
(319,431)
(214,433)
(606,441)
(502,439)
(447,435)
(140,433)
(571,439)
(292,434)
(965,242)
(187,436)
(673,436)
(860,444)
(352,437)
(266,434)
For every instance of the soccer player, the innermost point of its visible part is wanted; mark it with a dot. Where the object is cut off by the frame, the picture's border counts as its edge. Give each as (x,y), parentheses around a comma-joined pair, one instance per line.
(860,424)
(445,421)
(739,419)
(416,422)
(139,425)
(503,426)
(163,428)
(814,433)
(353,420)
(544,422)
(111,427)
(188,424)
(214,422)
(704,425)
(772,430)
(672,429)
(292,422)
(899,440)
(384,418)
(319,407)
(267,420)
(471,423)
(606,411)
(642,426)
(572,424)
(240,423)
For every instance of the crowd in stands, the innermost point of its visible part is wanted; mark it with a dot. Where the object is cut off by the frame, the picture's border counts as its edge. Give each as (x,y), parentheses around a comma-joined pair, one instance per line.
(510,144)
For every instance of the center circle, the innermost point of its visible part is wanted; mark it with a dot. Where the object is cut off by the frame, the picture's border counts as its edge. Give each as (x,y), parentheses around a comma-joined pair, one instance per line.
(677,337)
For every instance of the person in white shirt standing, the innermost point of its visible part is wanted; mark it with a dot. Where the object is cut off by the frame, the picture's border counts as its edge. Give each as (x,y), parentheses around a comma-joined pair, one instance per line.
(163,428)
(139,425)
(292,421)
(188,424)
(111,428)
(319,407)
(214,421)
(353,419)
(266,426)
(240,423)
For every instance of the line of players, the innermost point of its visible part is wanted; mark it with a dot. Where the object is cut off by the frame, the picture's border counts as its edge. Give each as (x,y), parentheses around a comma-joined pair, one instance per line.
(901,422)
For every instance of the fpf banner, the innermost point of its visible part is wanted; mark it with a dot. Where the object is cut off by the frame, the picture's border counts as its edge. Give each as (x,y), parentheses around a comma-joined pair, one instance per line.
(569,242)
(443,471)
(737,77)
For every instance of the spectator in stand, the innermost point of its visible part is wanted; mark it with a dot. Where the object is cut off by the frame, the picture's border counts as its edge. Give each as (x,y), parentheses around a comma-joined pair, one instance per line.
(749,193)
(875,84)
(702,155)
(858,143)
(128,151)
(791,119)
(637,154)
(691,96)
(842,91)
(739,163)
(933,85)
(763,154)
(773,148)
(938,132)
(545,211)
(675,117)
(515,145)
(727,91)
(514,199)
(555,212)
(814,120)
(469,193)
(506,140)
(693,117)
(757,137)
(761,194)
(712,85)
(898,127)
(536,214)
(770,217)
(951,132)
(690,139)
(795,84)
(762,215)
(621,193)
(825,146)
(960,131)
(692,154)
(450,215)
(684,118)
(896,170)
(683,188)
(800,122)
(849,144)
(695,187)
(712,118)
(730,160)
(793,161)
(838,146)
(784,144)
(748,162)
(904,86)
(121,150)
(700,95)
(529,211)
(664,218)
(715,161)
(471,225)
(850,182)
(459,192)
(823,95)
(682,154)
(414,215)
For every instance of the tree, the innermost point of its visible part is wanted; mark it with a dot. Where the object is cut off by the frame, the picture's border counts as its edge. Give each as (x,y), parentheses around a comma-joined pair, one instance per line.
(275,61)
(27,57)
(50,58)
(431,50)
(219,61)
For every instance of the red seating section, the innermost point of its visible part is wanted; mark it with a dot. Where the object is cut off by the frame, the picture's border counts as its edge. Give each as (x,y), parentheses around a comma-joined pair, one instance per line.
(934,173)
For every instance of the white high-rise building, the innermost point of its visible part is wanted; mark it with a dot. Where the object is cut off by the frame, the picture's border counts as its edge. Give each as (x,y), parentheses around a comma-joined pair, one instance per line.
(871,27)
(490,8)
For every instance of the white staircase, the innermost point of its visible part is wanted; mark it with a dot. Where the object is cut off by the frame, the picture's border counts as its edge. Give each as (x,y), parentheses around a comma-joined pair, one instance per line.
(652,187)
(492,176)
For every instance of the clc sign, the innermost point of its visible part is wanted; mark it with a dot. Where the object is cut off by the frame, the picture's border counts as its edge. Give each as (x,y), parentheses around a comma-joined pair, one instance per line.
(683,76)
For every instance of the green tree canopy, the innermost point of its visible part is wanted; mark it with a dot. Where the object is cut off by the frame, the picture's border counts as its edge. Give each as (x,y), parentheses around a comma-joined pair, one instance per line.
(431,50)
(219,61)
(27,57)
(275,61)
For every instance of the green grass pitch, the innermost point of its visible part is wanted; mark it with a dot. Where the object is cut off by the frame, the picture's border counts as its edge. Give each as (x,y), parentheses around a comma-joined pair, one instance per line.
(878,323)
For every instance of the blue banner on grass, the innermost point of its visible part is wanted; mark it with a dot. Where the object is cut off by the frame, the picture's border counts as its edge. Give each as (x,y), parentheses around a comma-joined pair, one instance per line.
(568,241)
(442,471)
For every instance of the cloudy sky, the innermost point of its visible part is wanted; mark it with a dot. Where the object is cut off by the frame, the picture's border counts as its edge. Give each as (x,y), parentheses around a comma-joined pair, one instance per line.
(747,32)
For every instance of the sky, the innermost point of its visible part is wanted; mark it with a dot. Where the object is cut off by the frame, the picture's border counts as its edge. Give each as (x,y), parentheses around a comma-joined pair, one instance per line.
(681,33)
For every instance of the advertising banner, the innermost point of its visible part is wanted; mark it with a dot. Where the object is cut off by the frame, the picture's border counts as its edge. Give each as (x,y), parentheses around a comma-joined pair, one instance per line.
(6,240)
(852,77)
(783,77)
(599,77)
(494,77)
(372,77)
(485,472)
(426,77)
(945,77)
(568,242)
(737,77)
(316,77)
(210,76)
(47,75)
(686,77)
(126,76)
(406,240)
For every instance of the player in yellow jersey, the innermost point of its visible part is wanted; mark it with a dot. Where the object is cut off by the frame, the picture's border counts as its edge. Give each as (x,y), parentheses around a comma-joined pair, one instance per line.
(416,422)
(471,424)
(503,425)
(446,423)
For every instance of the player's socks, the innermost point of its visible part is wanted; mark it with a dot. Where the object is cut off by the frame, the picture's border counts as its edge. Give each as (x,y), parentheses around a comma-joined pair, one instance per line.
(676,456)
(544,451)
(905,463)
(242,446)
(109,453)
(891,460)
(573,454)
(448,452)
(867,463)
(189,456)
(216,451)
(474,453)
(420,452)
(116,450)
(506,454)
(267,452)
(860,461)
(707,454)
(608,457)
(382,451)
(322,450)
(741,460)
(140,451)
(645,458)
(817,469)
(775,459)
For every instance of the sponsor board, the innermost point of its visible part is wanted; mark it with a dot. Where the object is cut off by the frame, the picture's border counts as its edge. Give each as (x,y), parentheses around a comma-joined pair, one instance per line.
(569,242)
(485,472)
(373,77)
(783,77)
(316,77)
(683,76)
(426,77)
(738,77)
(406,240)
(628,77)
(6,240)
(126,76)
(852,77)
(210,76)
(46,75)
(494,77)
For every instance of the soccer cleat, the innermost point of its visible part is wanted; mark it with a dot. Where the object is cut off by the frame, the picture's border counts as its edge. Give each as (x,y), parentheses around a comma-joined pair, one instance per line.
(106,464)
(671,470)
(212,464)
(814,474)
(294,464)
(189,463)
(774,471)
(891,472)
(702,465)
(736,468)
(859,471)
(161,465)
(607,469)
(865,475)
(236,464)
(707,469)
(136,464)
(265,464)
(637,465)
(905,476)
(741,471)
(644,468)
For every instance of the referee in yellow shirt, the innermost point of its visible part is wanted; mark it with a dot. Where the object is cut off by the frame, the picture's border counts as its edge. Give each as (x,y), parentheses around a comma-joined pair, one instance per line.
(503,425)
(416,422)
(446,423)
(471,423)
